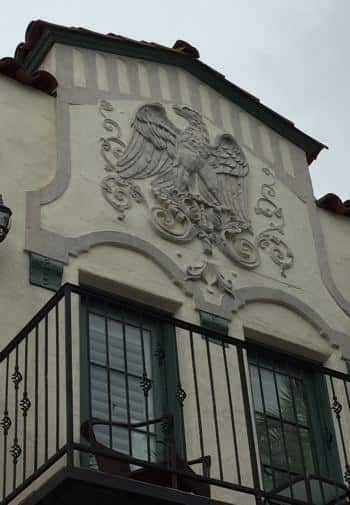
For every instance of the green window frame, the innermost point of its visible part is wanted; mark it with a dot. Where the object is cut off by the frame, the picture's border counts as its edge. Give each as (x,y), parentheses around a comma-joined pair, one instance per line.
(129,373)
(293,420)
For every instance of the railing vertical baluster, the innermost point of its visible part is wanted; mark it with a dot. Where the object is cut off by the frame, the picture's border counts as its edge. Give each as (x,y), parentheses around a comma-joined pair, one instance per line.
(233,424)
(347,394)
(46,388)
(69,375)
(109,389)
(58,389)
(36,398)
(180,394)
(6,425)
(88,346)
(337,408)
(196,389)
(249,421)
(16,450)
(147,385)
(25,405)
(126,375)
(213,399)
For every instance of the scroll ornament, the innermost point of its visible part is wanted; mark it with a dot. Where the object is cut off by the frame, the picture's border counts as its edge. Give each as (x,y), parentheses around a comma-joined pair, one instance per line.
(271,239)
(117,191)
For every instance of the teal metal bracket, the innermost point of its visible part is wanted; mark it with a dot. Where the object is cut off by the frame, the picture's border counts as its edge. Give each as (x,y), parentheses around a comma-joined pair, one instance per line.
(347,363)
(213,322)
(45,272)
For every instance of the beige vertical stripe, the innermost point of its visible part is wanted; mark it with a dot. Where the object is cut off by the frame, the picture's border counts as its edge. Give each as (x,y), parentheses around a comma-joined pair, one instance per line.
(145,87)
(101,71)
(122,76)
(79,75)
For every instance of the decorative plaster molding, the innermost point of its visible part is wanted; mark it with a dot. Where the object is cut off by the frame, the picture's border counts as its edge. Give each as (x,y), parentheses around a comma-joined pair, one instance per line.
(117,191)
(270,239)
(200,189)
(208,273)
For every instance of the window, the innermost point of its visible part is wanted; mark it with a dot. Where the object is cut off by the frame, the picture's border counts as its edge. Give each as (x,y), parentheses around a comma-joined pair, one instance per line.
(294,426)
(129,359)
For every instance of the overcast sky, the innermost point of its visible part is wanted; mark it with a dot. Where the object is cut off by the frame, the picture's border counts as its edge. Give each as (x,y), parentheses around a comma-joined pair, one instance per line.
(292,54)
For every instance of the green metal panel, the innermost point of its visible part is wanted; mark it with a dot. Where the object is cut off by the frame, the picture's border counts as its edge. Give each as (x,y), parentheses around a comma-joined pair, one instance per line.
(213,322)
(45,272)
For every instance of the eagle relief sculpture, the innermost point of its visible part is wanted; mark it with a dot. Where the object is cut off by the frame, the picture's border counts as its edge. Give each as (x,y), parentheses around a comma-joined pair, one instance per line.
(199,187)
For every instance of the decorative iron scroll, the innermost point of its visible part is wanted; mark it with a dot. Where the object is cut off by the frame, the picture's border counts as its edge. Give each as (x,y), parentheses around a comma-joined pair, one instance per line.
(200,188)
(270,238)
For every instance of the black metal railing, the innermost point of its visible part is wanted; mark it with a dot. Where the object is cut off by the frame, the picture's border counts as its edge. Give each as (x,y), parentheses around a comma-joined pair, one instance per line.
(97,382)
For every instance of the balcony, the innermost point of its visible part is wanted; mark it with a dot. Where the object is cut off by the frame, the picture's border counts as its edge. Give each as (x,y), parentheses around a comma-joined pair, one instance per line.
(101,400)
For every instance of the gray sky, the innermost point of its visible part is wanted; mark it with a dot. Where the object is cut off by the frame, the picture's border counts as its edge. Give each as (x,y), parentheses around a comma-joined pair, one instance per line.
(292,54)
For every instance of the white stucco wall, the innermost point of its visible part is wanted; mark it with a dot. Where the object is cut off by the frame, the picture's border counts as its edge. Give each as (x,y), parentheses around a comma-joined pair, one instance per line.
(335,231)
(34,128)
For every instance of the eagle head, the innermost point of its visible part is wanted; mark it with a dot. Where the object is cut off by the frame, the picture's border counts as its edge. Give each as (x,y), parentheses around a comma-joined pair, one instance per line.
(186,112)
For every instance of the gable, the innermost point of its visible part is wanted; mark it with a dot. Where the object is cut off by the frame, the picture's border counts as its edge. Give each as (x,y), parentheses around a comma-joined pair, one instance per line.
(41,36)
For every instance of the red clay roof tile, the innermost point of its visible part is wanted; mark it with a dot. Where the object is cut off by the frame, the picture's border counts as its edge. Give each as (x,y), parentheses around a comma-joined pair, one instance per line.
(333,203)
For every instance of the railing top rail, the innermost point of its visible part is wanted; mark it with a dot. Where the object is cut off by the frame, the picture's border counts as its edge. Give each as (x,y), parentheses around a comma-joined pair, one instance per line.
(168,319)
(32,323)
(220,337)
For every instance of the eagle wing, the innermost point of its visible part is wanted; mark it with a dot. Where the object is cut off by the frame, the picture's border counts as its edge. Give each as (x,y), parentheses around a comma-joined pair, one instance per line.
(152,146)
(226,172)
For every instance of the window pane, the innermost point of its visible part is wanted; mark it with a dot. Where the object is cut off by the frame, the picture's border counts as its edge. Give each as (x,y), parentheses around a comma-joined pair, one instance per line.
(120,439)
(97,339)
(276,442)
(282,479)
(139,446)
(285,395)
(267,478)
(269,391)
(254,373)
(102,434)
(116,347)
(293,449)
(300,402)
(307,450)
(262,439)
(99,392)
(134,350)
(136,399)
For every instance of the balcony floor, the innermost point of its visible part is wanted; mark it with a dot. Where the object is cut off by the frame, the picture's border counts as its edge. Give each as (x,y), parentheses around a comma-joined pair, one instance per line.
(84,486)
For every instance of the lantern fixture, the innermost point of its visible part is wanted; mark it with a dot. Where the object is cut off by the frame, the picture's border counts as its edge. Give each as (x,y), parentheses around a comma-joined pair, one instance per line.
(5,220)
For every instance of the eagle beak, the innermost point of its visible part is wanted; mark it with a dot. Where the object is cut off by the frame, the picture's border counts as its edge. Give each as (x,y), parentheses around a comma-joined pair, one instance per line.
(178,110)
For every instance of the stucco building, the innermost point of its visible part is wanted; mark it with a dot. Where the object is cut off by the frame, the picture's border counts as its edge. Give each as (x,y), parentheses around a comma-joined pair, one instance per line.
(175,305)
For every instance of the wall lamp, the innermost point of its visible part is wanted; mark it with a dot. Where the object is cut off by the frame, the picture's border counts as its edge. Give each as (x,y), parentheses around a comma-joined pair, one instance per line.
(5,219)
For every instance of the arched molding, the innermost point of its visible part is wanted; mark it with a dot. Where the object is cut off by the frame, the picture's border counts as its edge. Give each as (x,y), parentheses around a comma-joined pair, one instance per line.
(279,297)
